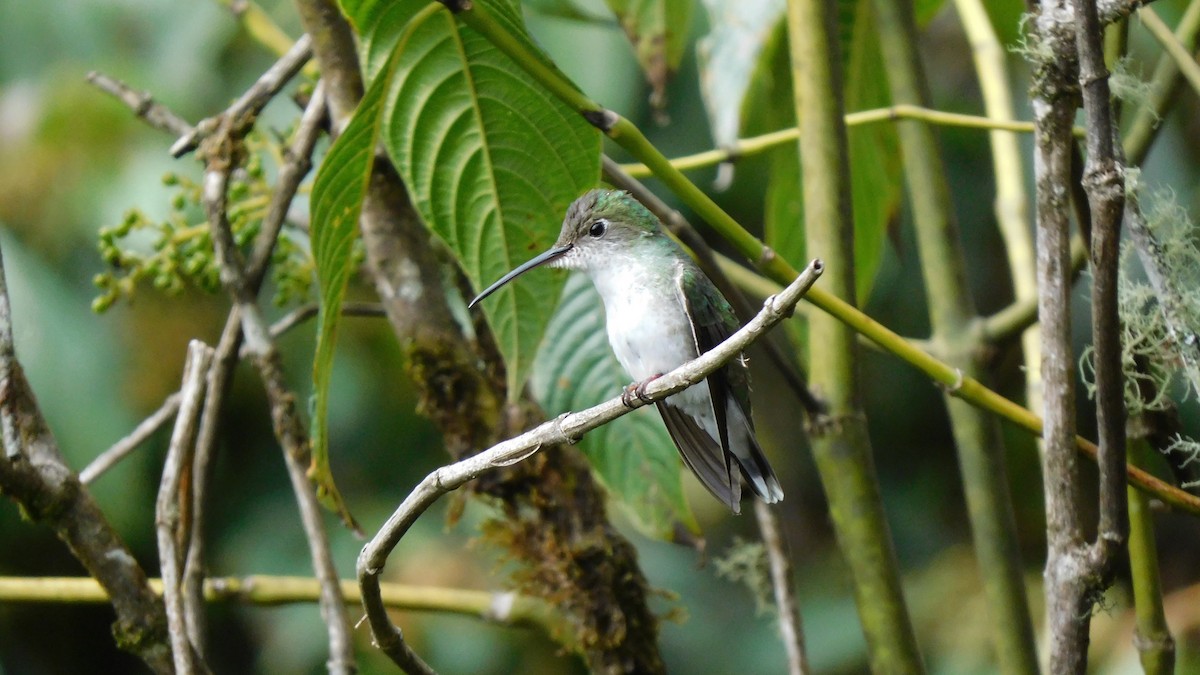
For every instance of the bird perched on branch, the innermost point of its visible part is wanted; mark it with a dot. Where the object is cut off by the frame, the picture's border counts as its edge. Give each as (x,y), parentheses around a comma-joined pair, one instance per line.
(661,312)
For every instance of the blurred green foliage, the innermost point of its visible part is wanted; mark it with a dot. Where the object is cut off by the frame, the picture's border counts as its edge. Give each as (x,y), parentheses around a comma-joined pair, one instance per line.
(73,162)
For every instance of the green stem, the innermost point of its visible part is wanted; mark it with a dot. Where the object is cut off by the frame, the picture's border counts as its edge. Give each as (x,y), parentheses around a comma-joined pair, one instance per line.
(1022,313)
(1171,45)
(841,446)
(774,139)
(1164,85)
(1156,647)
(267,590)
(1012,203)
(956,332)
(772,265)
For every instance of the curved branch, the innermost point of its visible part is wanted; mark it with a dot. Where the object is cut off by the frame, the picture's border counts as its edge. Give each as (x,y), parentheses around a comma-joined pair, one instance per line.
(769,262)
(565,429)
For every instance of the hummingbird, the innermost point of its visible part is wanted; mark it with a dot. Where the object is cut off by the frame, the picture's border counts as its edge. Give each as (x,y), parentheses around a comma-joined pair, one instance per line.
(661,311)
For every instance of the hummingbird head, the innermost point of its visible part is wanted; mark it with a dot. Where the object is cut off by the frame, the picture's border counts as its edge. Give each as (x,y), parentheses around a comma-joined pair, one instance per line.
(600,227)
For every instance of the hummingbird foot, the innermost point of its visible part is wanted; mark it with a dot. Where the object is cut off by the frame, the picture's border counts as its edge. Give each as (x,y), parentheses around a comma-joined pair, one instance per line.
(638,389)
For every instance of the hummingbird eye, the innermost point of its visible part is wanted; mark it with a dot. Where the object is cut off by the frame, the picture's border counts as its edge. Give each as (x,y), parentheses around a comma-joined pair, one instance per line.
(598,229)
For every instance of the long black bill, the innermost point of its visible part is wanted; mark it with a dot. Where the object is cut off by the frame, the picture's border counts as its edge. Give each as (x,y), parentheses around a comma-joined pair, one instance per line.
(541,259)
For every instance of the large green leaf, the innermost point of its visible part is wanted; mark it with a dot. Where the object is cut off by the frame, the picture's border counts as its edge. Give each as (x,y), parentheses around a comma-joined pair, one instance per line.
(728,56)
(379,24)
(633,456)
(337,198)
(875,177)
(658,30)
(490,158)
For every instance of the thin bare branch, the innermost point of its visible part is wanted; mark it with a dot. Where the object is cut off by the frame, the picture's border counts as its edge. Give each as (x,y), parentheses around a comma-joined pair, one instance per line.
(143,104)
(333,47)
(1054,109)
(791,629)
(170,524)
(217,380)
(289,429)
(242,114)
(140,434)
(297,163)
(566,428)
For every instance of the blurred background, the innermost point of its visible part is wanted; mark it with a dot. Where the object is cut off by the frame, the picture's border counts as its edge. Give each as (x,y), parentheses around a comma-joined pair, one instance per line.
(73,161)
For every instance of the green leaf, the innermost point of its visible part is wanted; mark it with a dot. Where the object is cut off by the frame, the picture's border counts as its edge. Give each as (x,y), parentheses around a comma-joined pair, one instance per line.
(658,30)
(633,456)
(337,197)
(490,158)
(925,10)
(875,176)
(728,56)
(875,171)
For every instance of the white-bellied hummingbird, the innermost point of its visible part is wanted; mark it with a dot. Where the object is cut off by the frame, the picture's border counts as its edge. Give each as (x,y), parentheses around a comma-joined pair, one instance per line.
(661,312)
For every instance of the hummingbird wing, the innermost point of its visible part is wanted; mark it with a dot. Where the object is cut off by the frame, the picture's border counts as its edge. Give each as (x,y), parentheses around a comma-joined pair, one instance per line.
(712,322)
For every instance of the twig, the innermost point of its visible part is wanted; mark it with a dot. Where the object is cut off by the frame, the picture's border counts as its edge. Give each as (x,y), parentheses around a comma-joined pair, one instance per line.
(790,627)
(241,115)
(289,429)
(756,144)
(1067,603)
(297,163)
(565,429)
(34,474)
(305,312)
(217,381)
(169,523)
(335,52)
(122,448)
(143,104)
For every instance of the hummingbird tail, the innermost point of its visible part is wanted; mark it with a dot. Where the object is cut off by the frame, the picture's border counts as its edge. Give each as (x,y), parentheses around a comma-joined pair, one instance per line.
(703,456)
(750,457)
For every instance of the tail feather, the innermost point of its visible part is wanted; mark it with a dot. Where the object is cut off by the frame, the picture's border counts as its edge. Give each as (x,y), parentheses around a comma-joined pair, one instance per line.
(749,455)
(703,456)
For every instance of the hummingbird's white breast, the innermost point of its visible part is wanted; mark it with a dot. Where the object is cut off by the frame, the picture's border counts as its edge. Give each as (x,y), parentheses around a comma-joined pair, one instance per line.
(648,326)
